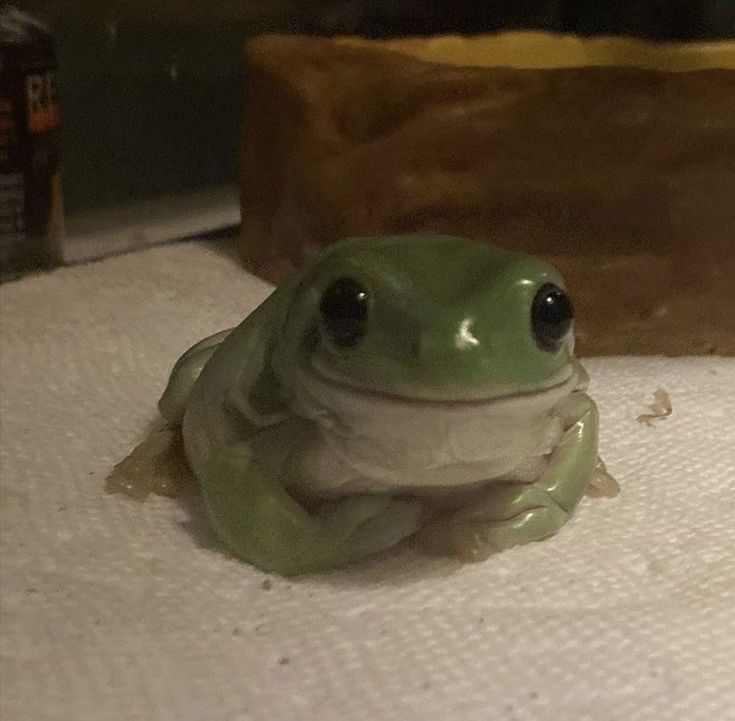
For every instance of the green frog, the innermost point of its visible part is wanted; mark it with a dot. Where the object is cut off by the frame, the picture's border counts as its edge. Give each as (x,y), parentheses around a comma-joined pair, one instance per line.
(394,387)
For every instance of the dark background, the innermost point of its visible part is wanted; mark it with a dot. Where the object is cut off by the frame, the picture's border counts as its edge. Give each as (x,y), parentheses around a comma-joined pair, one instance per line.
(654,19)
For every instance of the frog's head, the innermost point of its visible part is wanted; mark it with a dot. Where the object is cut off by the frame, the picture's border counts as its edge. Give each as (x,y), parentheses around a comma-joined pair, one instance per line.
(429,317)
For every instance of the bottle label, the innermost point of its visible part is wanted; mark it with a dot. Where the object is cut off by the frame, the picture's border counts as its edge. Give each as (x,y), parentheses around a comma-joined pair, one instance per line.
(43,110)
(30,195)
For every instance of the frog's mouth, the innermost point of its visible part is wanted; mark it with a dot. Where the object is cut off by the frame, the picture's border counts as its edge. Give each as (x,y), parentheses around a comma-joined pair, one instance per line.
(568,380)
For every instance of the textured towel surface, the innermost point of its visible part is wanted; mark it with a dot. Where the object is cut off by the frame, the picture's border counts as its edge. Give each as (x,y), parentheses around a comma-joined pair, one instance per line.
(116,610)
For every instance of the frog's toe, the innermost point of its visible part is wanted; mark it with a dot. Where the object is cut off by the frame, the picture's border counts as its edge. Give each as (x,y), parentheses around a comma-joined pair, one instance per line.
(370,524)
(398,521)
(473,540)
(343,517)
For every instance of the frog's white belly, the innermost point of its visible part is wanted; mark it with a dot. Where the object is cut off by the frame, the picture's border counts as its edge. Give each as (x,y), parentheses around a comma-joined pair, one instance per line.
(344,441)
(429,448)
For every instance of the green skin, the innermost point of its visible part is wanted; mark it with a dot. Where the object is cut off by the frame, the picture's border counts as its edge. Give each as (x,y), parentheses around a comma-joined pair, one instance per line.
(423,292)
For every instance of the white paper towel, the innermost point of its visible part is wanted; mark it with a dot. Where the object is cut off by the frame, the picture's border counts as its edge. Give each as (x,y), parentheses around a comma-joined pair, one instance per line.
(115,610)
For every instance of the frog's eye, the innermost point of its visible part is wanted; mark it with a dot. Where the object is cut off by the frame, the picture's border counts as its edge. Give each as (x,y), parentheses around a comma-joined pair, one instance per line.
(551,317)
(344,310)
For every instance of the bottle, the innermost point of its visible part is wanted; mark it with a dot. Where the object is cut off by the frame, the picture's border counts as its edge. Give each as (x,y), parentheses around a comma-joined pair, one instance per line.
(30,181)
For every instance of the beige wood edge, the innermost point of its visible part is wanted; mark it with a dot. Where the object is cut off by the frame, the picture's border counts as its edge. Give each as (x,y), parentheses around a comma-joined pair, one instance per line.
(529,50)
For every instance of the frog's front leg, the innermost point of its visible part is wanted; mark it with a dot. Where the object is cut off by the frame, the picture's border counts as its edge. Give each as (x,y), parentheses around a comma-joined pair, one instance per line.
(510,513)
(264,525)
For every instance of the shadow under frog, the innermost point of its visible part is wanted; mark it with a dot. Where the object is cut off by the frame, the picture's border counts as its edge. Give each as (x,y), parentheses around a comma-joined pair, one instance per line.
(419,387)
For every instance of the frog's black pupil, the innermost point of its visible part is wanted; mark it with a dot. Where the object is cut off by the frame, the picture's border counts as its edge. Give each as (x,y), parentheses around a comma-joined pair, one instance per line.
(551,317)
(344,309)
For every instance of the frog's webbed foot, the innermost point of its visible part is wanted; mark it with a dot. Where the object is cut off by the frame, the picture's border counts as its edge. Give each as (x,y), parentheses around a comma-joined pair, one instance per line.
(602,484)
(509,513)
(156,465)
(263,524)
